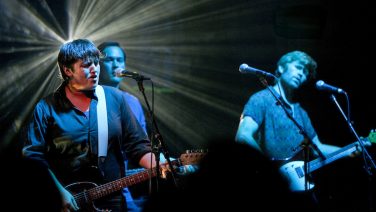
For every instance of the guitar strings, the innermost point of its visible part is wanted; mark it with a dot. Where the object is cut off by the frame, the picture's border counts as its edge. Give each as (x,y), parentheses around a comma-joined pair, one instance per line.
(102,190)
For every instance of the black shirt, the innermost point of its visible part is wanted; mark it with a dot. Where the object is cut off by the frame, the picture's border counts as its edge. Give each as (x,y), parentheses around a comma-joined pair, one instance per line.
(66,139)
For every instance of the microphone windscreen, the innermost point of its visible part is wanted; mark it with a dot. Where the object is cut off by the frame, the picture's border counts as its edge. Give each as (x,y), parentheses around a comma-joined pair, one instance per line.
(243,68)
(319,83)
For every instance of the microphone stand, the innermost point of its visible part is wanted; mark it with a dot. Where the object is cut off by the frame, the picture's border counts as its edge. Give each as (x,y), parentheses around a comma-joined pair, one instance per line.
(368,161)
(307,142)
(158,144)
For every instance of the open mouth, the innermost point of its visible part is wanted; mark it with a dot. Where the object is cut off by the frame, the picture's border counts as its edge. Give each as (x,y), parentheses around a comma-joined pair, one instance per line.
(296,80)
(93,76)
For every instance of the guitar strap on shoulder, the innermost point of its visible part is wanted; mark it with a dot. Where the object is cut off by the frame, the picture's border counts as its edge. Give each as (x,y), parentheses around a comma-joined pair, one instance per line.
(102,122)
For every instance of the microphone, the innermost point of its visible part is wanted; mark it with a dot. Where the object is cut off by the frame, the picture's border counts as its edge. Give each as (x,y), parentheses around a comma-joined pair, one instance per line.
(133,75)
(245,69)
(321,85)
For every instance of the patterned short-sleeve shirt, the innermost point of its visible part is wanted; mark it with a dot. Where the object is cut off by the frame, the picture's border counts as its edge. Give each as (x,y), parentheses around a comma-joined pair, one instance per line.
(278,136)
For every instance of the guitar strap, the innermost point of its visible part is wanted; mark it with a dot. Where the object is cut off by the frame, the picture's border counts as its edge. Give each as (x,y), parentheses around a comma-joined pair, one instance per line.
(102,122)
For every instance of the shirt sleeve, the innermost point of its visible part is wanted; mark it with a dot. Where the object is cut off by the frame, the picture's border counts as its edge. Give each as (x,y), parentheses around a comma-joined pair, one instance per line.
(34,147)
(255,108)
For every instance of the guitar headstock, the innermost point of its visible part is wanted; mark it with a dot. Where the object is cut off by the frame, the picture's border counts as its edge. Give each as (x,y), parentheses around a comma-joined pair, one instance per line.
(372,136)
(192,157)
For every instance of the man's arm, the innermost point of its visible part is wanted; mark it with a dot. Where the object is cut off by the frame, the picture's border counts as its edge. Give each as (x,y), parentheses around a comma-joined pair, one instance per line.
(68,200)
(246,131)
(147,160)
(324,148)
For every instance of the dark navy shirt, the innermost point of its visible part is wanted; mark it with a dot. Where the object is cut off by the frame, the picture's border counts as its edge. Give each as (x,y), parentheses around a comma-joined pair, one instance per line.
(278,137)
(66,139)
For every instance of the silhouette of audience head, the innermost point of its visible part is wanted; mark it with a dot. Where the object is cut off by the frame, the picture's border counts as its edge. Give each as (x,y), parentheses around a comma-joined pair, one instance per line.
(231,175)
(26,185)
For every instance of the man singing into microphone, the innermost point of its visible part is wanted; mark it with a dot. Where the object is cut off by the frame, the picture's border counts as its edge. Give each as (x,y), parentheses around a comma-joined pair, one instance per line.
(267,127)
(113,63)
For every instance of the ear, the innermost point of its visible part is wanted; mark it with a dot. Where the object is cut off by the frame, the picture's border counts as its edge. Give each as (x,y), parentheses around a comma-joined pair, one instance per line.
(68,71)
(280,70)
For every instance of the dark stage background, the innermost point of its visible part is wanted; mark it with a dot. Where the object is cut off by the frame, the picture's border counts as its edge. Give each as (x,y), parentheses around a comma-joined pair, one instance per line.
(192,51)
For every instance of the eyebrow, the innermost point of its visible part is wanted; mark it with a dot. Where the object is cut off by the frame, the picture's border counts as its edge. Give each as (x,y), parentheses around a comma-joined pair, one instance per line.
(112,57)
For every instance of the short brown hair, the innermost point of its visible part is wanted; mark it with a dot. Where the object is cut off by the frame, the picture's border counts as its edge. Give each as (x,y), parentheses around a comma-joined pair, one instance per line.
(301,57)
(79,49)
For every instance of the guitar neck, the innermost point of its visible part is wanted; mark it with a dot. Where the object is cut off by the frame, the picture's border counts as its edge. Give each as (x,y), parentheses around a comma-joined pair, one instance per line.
(89,195)
(108,188)
(343,152)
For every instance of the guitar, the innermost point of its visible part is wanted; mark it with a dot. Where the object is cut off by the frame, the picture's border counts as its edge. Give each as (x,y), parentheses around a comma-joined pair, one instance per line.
(294,170)
(85,193)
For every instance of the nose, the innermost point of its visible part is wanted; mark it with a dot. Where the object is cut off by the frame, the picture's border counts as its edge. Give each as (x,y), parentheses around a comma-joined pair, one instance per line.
(116,64)
(300,72)
(92,67)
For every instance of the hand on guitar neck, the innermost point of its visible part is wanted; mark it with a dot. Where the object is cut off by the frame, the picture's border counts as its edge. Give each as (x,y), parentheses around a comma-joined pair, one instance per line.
(180,170)
(366,142)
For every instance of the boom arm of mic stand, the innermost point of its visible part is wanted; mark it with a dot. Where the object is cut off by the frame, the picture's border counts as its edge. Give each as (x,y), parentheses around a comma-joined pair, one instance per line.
(156,136)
